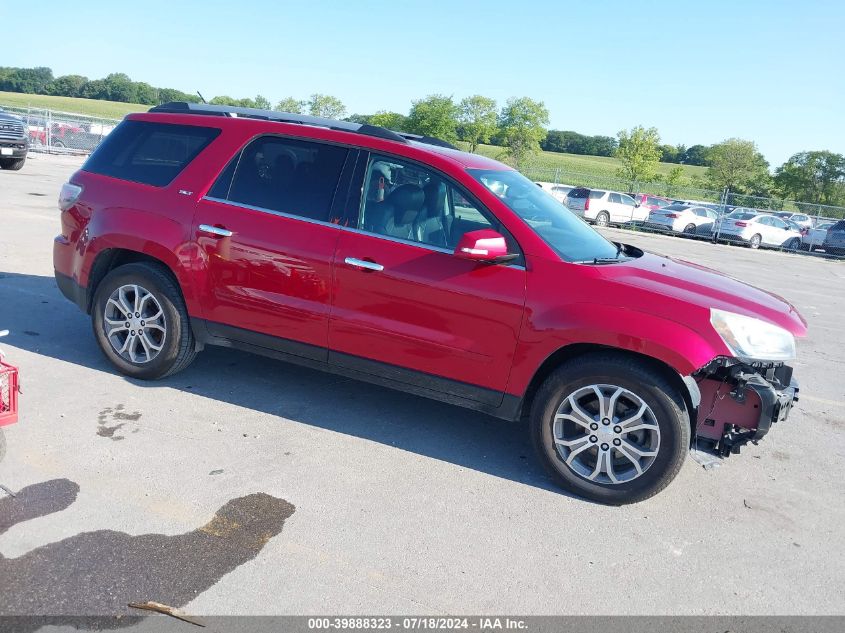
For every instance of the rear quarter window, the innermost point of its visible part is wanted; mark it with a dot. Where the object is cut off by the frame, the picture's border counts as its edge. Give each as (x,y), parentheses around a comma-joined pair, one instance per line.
(148,152)
(596,194)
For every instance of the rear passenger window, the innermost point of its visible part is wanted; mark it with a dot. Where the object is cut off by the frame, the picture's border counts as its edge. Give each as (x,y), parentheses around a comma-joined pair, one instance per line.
(287,175)
(149,153)
(596,194)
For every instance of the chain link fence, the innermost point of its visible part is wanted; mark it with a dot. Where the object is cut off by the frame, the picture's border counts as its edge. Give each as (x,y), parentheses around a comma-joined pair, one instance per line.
(62,132)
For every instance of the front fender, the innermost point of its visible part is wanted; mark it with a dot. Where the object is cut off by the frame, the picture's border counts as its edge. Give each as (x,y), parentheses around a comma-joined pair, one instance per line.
(682,347)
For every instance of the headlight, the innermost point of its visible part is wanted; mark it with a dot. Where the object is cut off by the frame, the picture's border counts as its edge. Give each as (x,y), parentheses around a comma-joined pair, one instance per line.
(752,339)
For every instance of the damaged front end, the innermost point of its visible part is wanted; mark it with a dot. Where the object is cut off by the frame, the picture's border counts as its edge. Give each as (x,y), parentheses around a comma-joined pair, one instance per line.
(740,402)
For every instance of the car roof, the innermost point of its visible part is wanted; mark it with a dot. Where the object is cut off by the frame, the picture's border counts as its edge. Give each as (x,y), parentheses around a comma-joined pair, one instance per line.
(365,136)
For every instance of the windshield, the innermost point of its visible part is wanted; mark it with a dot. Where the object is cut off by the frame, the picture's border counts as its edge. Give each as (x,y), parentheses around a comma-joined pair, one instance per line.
(570,237)
(742,215)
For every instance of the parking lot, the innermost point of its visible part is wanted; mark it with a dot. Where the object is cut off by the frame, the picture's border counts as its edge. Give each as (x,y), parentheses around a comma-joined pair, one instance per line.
(245,485)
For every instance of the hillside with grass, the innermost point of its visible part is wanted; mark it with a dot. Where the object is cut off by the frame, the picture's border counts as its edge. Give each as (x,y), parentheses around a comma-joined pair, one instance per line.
(90,107)
(588,165)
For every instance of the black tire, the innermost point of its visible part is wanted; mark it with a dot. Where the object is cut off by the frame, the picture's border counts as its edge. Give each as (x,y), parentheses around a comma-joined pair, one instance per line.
(755,240)
(14,164)
(178,346)
(793,244)
(644,380)
(689,229)
(603,218)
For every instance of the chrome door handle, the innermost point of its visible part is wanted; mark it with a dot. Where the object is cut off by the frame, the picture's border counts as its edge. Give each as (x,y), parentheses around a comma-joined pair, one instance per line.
(215,230)
(362,263)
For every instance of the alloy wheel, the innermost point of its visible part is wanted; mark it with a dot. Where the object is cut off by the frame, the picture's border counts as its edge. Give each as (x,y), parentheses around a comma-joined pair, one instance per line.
(606,434)
(134,324)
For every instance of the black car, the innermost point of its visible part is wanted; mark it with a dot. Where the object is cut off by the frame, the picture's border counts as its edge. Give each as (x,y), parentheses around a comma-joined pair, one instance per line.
(834,241)
(14,142)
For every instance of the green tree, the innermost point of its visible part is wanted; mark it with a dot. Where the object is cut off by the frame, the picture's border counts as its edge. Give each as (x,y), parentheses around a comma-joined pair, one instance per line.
(436,116)
(225,100)
(477,119)
(289,104)
(522,124)
(815,177)
(32,80)
(326,106)
(673,179)
(67,85)
(390,120)
(262,102)
(697,155)
(739,166)
(145,93)
(639,151)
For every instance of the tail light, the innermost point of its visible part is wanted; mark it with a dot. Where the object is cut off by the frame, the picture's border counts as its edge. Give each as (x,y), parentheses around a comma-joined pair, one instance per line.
(674,216)
(587,204)
(68,196)
(741,223)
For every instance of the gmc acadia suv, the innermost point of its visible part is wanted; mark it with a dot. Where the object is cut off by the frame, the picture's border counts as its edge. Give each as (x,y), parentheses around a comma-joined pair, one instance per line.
(399,260)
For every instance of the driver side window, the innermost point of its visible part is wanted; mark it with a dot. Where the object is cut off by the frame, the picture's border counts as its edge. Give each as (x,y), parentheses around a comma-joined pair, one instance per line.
(405,201)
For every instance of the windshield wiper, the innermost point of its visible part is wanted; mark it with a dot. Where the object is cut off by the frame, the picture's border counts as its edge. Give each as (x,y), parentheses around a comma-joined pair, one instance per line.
(607,260)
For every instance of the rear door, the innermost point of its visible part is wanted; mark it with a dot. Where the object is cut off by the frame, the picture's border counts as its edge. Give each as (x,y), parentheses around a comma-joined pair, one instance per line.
(405,307)
(267,240)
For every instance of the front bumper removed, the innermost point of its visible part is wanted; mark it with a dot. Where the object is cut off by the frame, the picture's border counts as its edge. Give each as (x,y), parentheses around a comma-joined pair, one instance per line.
(740,403)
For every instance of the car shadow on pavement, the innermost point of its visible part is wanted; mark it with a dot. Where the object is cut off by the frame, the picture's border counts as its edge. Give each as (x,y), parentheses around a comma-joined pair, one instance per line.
(42,321)
(88,580)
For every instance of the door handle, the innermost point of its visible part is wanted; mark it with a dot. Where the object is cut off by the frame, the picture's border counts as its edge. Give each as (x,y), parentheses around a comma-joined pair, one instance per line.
(215,230)
(364,264)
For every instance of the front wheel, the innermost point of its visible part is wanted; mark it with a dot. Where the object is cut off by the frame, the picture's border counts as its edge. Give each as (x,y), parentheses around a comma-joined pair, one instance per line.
(610,428)
(141,323)
(755,241)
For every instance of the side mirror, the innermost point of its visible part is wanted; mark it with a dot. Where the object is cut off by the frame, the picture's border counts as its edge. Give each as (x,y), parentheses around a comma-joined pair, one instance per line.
(485,245)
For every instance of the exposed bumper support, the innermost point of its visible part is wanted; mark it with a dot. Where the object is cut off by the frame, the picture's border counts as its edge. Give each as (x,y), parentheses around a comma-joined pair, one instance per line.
(740,403)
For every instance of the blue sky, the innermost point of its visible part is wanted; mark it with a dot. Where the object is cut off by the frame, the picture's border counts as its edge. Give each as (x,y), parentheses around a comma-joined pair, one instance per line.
(700,72)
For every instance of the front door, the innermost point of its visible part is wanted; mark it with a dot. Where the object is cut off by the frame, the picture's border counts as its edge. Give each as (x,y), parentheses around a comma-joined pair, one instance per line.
(266,245)
(405,307)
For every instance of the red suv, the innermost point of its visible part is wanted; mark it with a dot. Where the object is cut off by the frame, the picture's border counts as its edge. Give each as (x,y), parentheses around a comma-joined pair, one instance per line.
(404,262)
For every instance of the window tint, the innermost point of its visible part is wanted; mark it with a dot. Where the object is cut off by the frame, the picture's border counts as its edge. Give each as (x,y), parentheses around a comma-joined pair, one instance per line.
(409,202)
(595,194)
(287,175)
(579,193)
(147,152)
(615,197)
(839,226)
(699,211)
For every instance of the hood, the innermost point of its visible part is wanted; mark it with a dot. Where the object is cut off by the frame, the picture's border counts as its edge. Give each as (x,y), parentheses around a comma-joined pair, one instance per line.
(690,283)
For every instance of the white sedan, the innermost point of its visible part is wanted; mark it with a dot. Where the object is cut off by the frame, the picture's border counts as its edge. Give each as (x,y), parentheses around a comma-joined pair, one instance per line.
(756,230)
(814,238)
(683,218)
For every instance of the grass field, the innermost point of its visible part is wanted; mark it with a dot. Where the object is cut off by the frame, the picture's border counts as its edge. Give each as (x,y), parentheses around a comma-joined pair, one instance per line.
(590,165)
(91,107)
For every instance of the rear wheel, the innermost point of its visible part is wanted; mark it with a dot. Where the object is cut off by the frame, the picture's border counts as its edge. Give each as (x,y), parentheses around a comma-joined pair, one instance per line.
(13,164)
(610,428)
(755,241)
(689,229)
(603,218)
(141,323)
(794,244)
